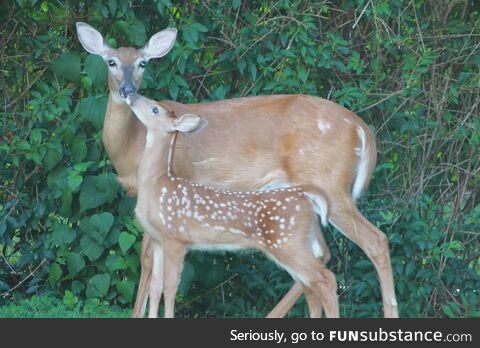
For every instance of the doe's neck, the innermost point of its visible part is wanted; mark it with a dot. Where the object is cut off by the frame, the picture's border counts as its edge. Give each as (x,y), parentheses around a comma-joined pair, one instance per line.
(119,128)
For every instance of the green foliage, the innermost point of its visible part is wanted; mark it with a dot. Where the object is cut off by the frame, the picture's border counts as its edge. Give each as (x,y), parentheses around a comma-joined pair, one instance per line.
(70,307)
(409,69)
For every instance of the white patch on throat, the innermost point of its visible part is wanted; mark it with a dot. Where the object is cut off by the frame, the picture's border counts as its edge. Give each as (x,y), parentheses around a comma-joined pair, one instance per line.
(149,139)
(117,99)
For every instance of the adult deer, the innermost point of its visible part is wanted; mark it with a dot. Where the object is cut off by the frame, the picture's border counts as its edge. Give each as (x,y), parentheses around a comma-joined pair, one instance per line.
(289,139)
(180,214)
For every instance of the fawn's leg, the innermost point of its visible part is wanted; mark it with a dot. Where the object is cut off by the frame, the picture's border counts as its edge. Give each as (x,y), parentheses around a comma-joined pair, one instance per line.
(146,260)
(326,290)
(314,303)
(174,256)
(156,278)
(314,275)
(287,302)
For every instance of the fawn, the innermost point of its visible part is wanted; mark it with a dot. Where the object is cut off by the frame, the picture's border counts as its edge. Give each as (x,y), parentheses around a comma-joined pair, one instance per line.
(179,214)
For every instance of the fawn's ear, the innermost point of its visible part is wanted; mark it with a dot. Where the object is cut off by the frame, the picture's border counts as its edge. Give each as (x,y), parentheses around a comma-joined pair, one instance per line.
(189,123)
(160,43)
(92,40)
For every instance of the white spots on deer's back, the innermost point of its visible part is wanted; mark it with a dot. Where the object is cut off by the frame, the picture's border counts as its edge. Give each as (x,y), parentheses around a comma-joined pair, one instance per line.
(323,126)
(267,219)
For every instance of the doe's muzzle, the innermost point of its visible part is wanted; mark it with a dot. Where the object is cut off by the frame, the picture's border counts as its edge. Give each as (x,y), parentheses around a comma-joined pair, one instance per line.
(127,89)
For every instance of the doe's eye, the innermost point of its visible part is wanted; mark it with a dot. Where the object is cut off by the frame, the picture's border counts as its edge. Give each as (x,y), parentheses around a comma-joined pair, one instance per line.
(142,64)
(111,62)
(155,110)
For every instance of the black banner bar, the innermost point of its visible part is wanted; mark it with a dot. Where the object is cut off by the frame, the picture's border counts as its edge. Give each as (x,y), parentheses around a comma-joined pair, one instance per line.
(240,332)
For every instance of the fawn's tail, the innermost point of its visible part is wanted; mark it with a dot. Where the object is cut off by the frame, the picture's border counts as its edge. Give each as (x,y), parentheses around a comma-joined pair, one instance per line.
(319,202)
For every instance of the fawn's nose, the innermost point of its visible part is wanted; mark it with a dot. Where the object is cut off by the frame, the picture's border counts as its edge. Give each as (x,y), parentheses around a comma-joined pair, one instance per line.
(127,89)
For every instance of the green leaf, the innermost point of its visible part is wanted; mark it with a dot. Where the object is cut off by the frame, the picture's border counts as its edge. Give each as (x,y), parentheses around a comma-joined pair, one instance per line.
(112,5)
(363,264)
(190,34)
(54,274)
(92,249)
(115,263)
(63,234)
(302,74)
(52,158)
(75,263)
(96,70)
(97,226)
(66,206)
(200,27)
(4,286)
(93,109)
(79,148)
(253,71)
(108,185)
(126,288)
(74,181)
(98,286)
(69,299)
(98,190)
(136,32)
(67,66)
(126,240)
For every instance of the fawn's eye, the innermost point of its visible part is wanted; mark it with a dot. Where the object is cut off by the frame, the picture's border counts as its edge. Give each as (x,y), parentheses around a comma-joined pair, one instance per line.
(111,62)
(155,110)
(142,64)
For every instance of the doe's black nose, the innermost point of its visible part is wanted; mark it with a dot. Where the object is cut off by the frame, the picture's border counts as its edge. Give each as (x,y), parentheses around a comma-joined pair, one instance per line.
(126,90)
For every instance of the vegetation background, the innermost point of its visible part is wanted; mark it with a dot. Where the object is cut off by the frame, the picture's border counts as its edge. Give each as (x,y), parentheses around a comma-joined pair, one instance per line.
(69,245)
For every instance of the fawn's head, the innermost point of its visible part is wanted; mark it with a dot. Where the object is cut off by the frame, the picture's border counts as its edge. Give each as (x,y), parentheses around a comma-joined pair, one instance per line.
(156,117)
(126,65)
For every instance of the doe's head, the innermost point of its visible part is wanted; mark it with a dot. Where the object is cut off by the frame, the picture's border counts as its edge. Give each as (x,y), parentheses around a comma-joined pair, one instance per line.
(157,117)
(126,65)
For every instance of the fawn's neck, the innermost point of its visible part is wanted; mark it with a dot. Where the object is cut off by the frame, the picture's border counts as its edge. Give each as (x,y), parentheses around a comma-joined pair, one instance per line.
(157,159)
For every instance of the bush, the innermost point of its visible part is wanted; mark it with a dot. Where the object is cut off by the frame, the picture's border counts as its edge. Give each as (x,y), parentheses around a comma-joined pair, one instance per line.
(410,69)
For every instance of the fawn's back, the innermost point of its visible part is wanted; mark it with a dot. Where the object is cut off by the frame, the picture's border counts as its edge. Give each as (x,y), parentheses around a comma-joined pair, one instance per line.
(214,218)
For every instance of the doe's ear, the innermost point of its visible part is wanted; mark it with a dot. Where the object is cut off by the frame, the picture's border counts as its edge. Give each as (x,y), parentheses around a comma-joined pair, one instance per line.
(189,123)
(160,44)
(92,40)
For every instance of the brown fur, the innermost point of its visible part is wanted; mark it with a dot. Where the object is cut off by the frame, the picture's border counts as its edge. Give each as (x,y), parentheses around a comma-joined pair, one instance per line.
(177,213)
(222,156)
